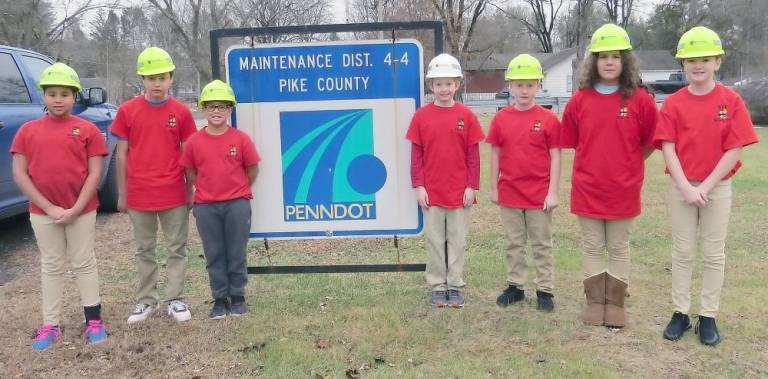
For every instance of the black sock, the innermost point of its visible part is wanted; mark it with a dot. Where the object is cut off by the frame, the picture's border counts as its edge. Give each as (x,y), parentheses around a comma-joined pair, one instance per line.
(92,312)
(237,299)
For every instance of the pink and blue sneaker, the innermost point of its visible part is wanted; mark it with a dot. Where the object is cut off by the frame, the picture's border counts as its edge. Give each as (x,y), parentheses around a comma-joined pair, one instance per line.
(95,332)
(46,336)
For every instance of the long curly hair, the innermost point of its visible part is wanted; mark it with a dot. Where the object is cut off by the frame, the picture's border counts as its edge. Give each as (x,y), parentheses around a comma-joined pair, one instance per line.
(629,80)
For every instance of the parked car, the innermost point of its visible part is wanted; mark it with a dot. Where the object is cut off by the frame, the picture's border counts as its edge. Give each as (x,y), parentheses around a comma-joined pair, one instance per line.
(21,101)
(753,91)
(660,89)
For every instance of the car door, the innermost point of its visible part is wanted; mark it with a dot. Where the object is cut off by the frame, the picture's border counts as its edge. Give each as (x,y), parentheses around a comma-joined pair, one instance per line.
(17,106)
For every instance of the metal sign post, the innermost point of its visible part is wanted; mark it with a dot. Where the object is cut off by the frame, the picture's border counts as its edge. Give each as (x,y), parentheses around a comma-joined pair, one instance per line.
(329,121)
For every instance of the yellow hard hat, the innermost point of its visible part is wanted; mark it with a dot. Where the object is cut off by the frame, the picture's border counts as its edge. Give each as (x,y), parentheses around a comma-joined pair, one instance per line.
(217,91)
(610,37)
(524,66)
(699,42)
(59,74)
(153,61)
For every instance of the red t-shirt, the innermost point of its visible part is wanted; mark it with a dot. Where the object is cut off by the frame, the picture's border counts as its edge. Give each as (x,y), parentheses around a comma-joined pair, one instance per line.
(445,134)
(703,128)
(57,152)
(524,139)
(154,179)
(609,134)
(221,162)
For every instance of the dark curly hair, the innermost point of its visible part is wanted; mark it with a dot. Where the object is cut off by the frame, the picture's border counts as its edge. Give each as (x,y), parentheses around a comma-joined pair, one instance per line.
(629,80)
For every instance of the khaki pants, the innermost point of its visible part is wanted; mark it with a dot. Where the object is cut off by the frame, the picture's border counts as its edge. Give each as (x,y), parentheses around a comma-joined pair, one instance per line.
(535,225)
(441,225)
(597,236)
(174,223)
(708,225)
(59,245)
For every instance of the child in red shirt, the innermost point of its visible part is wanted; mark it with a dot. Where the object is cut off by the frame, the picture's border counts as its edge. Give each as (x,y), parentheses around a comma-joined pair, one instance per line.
(152,129)
(701,150)
(610,122)
(57,163)
(525,181)
(222,163)
(445,170)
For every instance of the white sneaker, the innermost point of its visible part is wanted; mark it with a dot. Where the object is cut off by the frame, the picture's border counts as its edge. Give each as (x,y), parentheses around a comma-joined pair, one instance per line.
(140,313)
(179,310)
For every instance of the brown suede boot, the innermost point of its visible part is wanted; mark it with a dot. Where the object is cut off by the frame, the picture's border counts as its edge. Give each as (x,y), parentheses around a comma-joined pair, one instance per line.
(594,289)
(615,292)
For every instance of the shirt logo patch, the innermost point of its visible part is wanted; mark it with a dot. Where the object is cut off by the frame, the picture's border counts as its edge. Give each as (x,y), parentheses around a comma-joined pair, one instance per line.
(623,111)
(722,113)
(75,132)
(460,125)
(171,120)
(232,151)
(536,126)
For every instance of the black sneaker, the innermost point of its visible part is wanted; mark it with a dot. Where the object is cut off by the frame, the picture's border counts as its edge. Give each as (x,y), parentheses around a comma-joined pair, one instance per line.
(677,326)
(239,307)
(707,331)
(510,295)
(219,310)
(544,301)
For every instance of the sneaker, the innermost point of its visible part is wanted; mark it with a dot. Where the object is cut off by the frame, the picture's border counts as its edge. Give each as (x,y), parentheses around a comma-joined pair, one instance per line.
(707,331)
(677,326)
(544,301)
(140,313)
(179,310)
(46,336)
(455,298)
(239,308)
(511,295)
(95,332)
(219,310)
(439,299)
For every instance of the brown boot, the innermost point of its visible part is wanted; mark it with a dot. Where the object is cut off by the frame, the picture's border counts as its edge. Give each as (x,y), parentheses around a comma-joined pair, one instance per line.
(615,292)
(594,288)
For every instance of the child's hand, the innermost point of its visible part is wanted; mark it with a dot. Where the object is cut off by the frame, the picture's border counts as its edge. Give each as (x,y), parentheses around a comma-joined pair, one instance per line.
(422,197)
(55,212)
(191,198)
(67,217)
(469,196)
(695,196)
(551,202)
(494,196)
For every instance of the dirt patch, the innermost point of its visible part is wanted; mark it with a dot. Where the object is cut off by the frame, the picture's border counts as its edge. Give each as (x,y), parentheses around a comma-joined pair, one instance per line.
(158,347)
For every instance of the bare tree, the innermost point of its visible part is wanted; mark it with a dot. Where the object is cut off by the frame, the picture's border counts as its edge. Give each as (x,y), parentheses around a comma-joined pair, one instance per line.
(270,13)
(619,11)
(460,18)
(33,24)
(540,20)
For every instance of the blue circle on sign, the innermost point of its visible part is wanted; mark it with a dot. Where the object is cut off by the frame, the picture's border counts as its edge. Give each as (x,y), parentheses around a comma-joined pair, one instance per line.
(366,174)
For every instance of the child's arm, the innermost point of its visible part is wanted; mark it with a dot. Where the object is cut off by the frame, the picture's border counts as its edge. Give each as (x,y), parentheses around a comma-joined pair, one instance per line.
(723,167)
(692,195)
(495,152)
(253,171)
(21,176)
(553,193)
(473,174)
(86,193)
(122,156)
(417,174)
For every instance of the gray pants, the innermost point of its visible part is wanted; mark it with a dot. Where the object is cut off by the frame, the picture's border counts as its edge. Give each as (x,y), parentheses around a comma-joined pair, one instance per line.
(224,228)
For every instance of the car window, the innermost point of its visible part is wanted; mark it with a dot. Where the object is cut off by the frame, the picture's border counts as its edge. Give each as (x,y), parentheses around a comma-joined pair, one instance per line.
(36,66)
(12,87)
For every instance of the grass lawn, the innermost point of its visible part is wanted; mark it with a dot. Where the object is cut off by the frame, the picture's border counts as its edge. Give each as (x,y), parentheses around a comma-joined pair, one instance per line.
(381,326)
(321,325)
